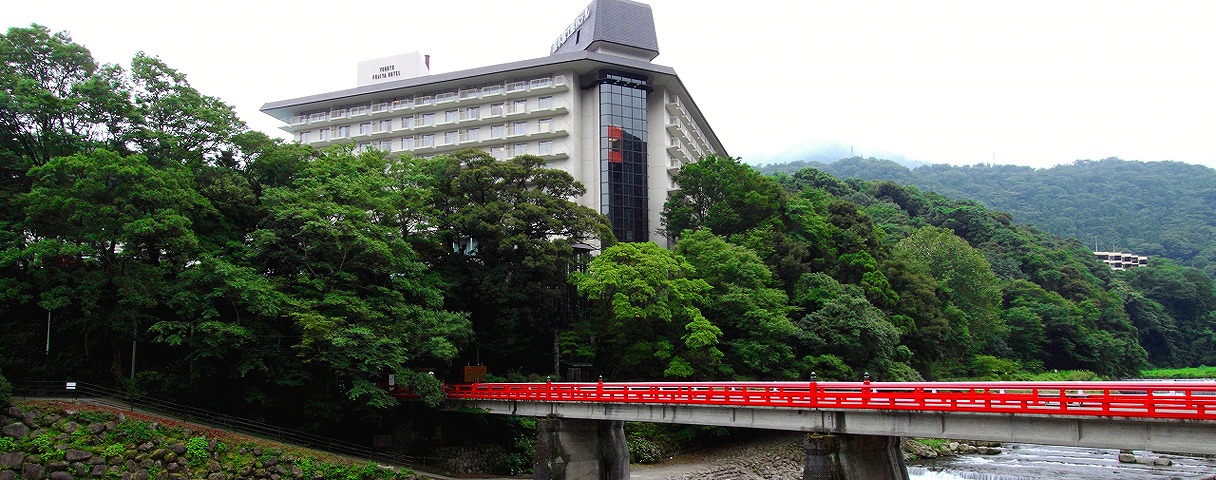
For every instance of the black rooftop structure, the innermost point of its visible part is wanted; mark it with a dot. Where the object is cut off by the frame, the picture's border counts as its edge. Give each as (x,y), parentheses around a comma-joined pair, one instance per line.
(620,26)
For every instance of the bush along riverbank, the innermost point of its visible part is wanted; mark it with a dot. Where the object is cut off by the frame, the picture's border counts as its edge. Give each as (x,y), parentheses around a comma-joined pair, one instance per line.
(66,441)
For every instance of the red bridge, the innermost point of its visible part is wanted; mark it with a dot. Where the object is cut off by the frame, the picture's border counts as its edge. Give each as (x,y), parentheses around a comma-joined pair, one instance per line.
(1163,400)
(853,427)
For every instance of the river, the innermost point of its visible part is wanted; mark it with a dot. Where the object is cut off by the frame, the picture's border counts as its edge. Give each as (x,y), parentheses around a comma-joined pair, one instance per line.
(780,456)
(1041,462)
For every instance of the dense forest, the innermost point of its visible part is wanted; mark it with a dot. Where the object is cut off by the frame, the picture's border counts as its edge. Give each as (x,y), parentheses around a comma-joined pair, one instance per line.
(1160,209)
(159,245)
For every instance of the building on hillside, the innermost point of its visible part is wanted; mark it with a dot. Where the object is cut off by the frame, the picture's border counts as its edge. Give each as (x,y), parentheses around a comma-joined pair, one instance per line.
(1121,260)
(596,107)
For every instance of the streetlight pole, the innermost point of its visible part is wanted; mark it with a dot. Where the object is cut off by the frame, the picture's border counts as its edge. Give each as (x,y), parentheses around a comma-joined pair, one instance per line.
(134,329)
(48,333)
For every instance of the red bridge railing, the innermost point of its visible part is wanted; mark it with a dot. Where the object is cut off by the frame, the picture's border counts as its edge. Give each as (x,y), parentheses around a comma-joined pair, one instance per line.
(1169,400)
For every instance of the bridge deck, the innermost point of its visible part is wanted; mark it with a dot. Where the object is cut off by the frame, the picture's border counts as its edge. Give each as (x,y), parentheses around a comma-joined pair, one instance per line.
(1163,416)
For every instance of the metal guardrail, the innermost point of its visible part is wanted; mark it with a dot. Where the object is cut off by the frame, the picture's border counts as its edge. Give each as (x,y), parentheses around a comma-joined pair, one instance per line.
(96,394)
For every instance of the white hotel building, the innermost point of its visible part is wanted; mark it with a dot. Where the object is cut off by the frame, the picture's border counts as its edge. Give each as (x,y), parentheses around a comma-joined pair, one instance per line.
(595,107)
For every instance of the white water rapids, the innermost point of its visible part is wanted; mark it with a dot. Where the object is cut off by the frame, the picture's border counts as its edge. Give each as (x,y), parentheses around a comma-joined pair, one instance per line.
(1042,462)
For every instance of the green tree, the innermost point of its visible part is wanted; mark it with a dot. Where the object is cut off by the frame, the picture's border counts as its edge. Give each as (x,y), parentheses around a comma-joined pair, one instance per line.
(177,123)
(645,322)
(841,323)
(722,194)
(1188,296)
(44,110)
(503,236)
(110,236)
(754,316)
(965,280)
(363,301)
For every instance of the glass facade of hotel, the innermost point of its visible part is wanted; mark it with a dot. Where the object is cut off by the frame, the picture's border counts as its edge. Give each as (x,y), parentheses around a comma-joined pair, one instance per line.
(623,139)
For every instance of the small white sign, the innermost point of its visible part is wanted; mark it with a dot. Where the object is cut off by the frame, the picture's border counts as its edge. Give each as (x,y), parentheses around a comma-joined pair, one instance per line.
(71,385)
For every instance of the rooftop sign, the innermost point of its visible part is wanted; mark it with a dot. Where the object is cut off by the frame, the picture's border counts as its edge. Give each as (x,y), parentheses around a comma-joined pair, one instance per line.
(574,26)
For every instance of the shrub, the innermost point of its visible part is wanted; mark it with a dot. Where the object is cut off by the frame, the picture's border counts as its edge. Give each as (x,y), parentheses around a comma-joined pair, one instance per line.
(132,431)
(196,450)
(114,450)
(6,392)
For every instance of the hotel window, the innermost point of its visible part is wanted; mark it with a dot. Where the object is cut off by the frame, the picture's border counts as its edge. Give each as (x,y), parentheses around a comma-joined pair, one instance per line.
(365,128)
(386,145)
(520,149)
(520,106)
(407,122)
(498,152)
(544,125)
(473,113)
(407,143)
(544,103)
(472,135)
(363,147)
(498,131)
(496,110)
(451,116)
(428,119)
(623,160)
(544,148)
(344,131)
(324,134)
(306,137)
(386,125)
(451,137)
(428,140)
(519,128)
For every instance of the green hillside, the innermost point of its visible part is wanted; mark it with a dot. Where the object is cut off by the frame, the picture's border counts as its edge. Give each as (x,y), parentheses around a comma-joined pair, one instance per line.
(1160,209)
(63,439)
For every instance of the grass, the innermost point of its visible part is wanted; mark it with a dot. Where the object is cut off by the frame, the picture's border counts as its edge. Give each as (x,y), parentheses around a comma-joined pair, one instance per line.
(934,443)
(1192,373)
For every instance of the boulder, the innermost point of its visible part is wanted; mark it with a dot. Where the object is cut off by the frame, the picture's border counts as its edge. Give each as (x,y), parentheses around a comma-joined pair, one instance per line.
(33,471)
(11,460)
(96,428)
(57,466)
(74,455)
(61,475)
(99,471)
(8,475)
(1126,457)
(1162,462)
(918,449)
(16,430)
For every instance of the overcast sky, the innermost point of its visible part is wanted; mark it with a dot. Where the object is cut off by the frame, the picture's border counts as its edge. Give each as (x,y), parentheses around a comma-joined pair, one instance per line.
(963,82)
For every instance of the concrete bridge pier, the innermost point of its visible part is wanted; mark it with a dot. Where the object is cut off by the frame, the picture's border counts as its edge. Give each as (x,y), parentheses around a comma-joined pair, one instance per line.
(853,457)
(576,449)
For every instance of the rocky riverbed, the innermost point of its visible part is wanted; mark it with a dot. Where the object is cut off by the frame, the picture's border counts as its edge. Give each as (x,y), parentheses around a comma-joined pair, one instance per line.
(777,456)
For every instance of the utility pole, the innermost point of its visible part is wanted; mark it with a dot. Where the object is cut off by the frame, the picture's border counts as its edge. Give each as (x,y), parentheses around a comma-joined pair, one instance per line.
(48,333)
(134,329)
